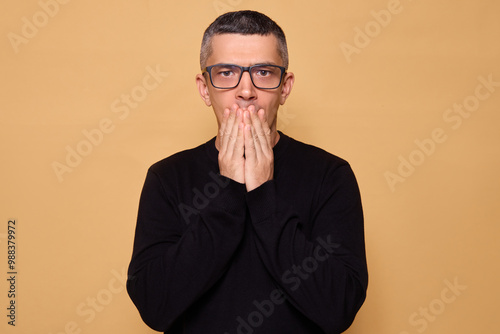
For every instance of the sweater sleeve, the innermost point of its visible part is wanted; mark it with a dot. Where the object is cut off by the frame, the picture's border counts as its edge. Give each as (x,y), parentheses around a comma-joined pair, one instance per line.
(325,275)
(174,264)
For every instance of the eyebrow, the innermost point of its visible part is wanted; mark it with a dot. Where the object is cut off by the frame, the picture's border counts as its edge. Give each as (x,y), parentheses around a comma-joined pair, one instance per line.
(266,63)
(253,64)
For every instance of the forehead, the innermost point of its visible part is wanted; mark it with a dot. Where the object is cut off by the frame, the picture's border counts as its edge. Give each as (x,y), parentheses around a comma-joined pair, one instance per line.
(244,50)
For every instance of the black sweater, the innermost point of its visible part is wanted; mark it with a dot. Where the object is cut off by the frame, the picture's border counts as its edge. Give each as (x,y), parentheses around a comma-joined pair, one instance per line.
(287,257)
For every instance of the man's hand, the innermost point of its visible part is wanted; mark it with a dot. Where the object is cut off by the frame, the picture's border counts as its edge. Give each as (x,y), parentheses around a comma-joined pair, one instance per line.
(245,147)
(259,156)
(231,145)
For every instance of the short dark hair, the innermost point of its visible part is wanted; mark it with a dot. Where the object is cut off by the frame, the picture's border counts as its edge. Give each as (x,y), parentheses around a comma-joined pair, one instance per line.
(244,22)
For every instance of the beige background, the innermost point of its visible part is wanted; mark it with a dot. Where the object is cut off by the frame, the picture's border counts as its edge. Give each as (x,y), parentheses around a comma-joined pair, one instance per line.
(366,98)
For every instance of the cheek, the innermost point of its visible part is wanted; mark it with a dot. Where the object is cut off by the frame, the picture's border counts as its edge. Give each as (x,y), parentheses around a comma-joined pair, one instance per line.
(220,100)
(271,105)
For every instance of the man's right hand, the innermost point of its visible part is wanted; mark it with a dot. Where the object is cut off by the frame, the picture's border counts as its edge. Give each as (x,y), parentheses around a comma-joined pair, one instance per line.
(232,145)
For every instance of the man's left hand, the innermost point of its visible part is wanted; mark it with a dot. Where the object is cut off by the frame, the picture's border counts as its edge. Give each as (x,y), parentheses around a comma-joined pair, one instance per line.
(259,156)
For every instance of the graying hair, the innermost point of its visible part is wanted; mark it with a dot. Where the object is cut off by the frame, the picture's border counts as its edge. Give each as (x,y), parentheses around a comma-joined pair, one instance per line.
(245,22)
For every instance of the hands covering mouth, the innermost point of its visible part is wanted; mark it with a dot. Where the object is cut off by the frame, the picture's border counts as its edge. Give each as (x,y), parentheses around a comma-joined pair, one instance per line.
(245,146)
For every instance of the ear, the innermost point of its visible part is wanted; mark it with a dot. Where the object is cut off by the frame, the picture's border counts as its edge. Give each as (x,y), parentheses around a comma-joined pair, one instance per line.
(286,86)
(201,82)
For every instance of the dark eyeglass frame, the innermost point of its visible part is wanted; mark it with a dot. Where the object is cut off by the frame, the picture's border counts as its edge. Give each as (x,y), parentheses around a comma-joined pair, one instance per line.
(244,69)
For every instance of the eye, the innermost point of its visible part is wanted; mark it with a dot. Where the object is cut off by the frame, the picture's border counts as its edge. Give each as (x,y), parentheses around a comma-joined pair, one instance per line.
(226,73)
(263,73)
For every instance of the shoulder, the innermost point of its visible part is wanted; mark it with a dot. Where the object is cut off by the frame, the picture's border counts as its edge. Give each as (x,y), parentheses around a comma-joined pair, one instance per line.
(313,156)
(181,161)
(310,166)
(317,172)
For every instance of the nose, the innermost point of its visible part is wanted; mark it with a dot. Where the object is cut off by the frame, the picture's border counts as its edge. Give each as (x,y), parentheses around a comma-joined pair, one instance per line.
(246,90)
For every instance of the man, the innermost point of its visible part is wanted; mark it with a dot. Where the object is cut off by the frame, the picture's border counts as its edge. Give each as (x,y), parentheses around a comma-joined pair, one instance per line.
(251,232)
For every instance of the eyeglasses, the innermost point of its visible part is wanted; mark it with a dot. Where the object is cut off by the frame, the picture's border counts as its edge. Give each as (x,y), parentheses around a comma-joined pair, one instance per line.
(227,76)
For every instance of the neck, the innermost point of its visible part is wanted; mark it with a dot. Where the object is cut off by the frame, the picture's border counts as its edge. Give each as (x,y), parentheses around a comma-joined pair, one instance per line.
(276,138)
